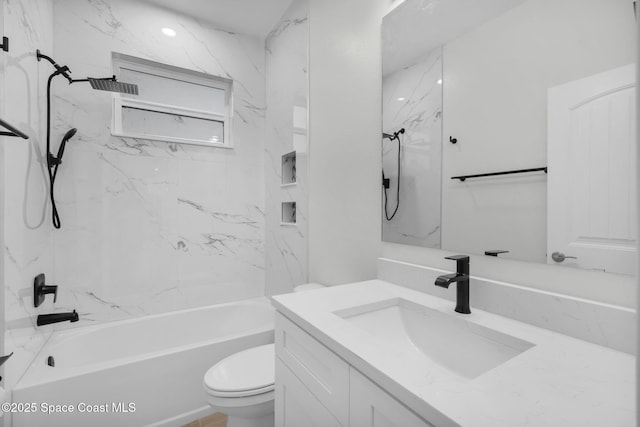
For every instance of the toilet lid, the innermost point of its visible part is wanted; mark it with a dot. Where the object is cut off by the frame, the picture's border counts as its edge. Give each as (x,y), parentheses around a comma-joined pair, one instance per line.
(248,372)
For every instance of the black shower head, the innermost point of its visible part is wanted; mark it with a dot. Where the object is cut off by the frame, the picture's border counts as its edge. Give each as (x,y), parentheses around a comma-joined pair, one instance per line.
(110,84)
(394,136)
(67,136)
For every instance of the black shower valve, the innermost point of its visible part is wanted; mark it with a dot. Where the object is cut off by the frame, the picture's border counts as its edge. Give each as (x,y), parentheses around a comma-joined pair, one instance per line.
(40,289)
(386,183)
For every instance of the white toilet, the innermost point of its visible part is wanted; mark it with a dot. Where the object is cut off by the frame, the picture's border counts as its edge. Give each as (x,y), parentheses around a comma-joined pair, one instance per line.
(242,385)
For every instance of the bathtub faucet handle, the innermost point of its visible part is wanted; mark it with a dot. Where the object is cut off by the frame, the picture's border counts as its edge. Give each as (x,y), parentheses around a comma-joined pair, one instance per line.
(40,289)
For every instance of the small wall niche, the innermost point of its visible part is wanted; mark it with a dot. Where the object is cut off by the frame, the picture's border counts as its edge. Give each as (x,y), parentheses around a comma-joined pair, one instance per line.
(289,168)
(299,119)
(288,213)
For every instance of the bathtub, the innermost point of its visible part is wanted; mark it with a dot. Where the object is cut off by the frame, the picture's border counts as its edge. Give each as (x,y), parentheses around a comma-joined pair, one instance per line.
(139,372)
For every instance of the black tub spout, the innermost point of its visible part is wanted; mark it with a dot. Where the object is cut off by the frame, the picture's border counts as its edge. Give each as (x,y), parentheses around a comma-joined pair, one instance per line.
(46,319)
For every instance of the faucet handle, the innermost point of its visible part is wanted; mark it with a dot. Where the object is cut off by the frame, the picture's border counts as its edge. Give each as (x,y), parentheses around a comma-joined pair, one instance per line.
(40,289)
(457,257)
(462,263)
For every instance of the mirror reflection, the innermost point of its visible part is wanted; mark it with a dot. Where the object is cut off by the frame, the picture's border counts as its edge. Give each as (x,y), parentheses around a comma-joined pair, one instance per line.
(498,87)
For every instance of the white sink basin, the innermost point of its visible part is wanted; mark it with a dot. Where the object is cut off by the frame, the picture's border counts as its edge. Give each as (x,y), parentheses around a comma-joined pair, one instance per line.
(460,346)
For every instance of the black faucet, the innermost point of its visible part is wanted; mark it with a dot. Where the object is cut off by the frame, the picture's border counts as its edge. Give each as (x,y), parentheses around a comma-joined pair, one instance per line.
(461,277)
(46,319)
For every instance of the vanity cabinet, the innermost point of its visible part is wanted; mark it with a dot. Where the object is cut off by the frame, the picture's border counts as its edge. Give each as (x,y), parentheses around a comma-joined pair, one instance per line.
(315,387)
(373,407)
(295,406)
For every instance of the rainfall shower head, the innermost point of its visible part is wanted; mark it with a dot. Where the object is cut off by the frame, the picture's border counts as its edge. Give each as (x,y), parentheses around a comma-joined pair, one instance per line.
(110,84)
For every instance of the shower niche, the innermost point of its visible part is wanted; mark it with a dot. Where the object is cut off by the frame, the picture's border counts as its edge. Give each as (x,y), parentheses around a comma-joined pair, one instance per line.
(289,213)
(289,169)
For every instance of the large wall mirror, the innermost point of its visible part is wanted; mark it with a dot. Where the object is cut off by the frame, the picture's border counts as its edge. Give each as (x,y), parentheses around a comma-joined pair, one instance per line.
(498,87)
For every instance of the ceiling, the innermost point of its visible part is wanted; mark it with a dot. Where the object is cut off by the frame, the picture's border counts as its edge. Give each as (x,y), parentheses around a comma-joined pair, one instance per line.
(253,17)
(415,27)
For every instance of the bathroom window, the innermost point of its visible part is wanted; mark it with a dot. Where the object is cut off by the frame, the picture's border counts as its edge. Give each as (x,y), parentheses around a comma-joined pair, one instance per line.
(174,104)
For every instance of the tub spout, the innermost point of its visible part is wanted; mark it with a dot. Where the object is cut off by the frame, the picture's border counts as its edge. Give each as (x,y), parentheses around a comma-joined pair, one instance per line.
(46,319)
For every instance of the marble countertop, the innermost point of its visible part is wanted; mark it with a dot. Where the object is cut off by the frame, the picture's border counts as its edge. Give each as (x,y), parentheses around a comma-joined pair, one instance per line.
(560,381)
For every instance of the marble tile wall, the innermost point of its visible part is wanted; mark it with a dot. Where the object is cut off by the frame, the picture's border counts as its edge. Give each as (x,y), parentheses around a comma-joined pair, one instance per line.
(147,226)
(26,215)
(286,131)
(150,226)
(412,99)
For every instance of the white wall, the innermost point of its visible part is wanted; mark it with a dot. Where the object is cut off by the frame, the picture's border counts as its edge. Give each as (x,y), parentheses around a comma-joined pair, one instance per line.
(637,281)
(496,79)
(345,128)
(286,88)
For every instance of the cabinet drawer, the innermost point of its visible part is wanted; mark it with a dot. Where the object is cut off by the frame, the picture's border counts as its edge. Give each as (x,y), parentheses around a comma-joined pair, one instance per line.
(322,372)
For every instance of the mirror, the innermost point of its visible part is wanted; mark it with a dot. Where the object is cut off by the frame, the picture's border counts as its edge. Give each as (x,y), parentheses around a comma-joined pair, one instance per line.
(498,87)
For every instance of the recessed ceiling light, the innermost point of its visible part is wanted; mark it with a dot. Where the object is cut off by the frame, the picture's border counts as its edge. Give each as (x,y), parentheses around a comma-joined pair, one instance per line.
(170,32)
(401,99)
(440,81)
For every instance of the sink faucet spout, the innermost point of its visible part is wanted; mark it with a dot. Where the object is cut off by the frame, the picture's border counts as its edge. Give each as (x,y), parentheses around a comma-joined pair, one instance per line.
(461,278)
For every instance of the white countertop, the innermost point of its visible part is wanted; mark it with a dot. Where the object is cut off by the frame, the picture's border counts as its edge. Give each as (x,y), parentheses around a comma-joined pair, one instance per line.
(561,381)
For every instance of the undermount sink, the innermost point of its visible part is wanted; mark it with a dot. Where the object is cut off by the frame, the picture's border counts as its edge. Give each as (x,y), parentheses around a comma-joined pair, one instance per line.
(460,346)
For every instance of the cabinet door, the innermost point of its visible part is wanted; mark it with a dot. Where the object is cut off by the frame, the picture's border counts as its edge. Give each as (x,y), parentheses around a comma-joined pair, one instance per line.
(295,406)
(373,407)
(322,372)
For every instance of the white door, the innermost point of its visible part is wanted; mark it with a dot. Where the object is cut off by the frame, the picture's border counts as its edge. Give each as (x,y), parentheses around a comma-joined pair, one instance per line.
(591,182)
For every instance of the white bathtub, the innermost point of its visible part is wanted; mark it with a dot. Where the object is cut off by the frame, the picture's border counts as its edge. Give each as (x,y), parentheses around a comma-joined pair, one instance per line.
(138,372)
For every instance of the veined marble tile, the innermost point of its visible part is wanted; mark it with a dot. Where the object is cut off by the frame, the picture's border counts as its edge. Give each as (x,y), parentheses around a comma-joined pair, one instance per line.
(171,217)
(147,226)
(412,99)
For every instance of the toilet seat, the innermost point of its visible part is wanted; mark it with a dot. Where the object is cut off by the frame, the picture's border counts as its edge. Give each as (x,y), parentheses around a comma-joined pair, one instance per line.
(247,373)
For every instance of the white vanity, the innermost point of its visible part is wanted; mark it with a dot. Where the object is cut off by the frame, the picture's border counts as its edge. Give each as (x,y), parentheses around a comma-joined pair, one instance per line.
(377,354)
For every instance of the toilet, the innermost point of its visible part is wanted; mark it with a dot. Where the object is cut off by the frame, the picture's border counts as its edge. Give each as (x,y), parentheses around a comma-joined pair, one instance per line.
(242,385)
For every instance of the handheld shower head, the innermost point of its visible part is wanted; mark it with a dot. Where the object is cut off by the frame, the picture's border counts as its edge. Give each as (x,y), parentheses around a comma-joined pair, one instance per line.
(67,136)
(70,133)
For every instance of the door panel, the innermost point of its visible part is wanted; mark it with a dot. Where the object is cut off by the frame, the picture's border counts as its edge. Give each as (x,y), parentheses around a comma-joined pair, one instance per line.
(591,182)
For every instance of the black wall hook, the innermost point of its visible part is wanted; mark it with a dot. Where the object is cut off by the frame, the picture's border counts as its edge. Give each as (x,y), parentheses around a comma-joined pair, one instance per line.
(5,44)
(453,140)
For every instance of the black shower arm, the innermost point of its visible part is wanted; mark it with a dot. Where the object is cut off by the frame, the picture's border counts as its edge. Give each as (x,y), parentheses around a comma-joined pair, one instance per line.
(112,78)
(63,70)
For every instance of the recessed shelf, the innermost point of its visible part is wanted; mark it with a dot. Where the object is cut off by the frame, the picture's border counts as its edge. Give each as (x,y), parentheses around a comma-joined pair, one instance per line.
(299,117)
(288,213)
(289,168)
(291,184)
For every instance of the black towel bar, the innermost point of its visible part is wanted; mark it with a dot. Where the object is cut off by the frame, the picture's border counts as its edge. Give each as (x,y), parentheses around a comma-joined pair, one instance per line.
(463,177)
